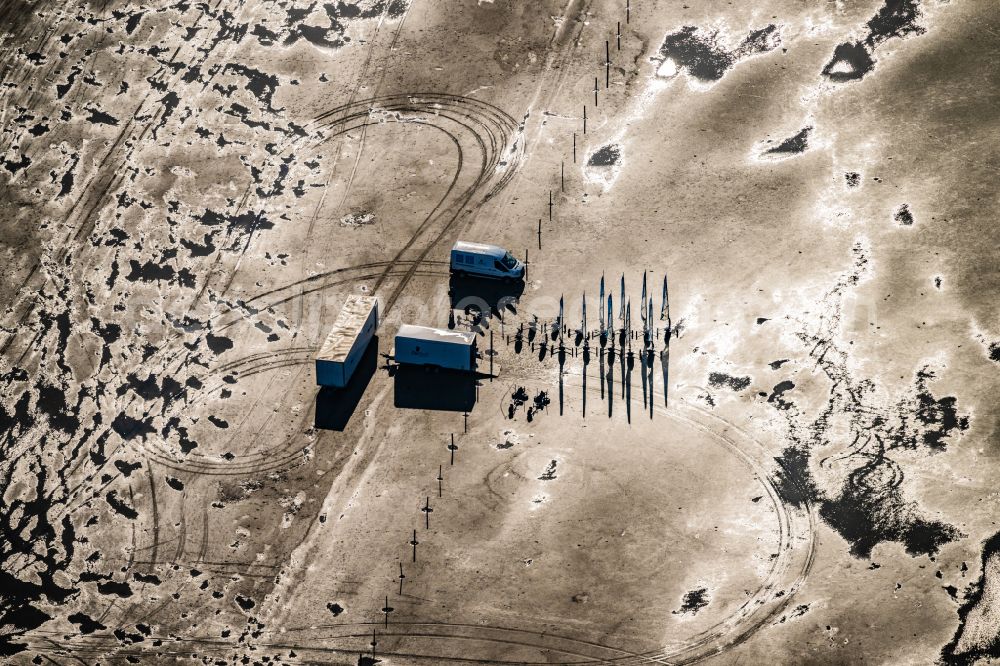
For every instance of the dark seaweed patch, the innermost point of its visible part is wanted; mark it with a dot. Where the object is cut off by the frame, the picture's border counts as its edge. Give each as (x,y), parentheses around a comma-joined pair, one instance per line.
(130,428)
(331,33)
(606,156)
(794,481)
(866,514)
(721,379)
(798,611)
(88,625)
(261,85)
(903,216)
(246,603)
(973,598)
(852,178)
(894,20)
(99,117)
(67,178)
(218,343)
(151,579)
(868,506)
(14,167)
(247,221)
(793,144)
(701,56)
(147,388)
(127,468)
(779,390)
(217,422)
(693,602)
(149,272)
(63,88)
(120,506)
(850,62)
(199,249)
(994,352)
(133,22)
(114,588)
(939,416)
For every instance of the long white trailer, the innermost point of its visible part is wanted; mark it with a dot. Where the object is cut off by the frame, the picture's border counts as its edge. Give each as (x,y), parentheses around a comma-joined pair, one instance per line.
(347,341)
(435,347)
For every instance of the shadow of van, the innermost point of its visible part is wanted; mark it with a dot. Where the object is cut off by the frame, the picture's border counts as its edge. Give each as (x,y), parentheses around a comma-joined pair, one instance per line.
(484,295)
(335,406)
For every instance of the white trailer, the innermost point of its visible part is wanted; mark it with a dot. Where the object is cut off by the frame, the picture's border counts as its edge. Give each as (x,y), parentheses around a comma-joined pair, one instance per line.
(347,341)
(487,261)
(435,347)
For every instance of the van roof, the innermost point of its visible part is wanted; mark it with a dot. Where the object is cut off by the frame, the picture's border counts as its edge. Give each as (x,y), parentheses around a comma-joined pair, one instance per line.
(480,248)
(435,334)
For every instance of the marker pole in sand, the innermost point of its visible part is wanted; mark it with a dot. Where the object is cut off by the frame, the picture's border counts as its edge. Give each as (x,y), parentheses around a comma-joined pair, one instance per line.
(491,355)
(628,10)
(595,92)
(539,233)
(585,119)
(550,205)
(427,514)
(401,577)
(607,64)
(386,610)
(574,147)
(440,479)
(414,542)
(452,447)
(618,35)
(374,643)
(562,175)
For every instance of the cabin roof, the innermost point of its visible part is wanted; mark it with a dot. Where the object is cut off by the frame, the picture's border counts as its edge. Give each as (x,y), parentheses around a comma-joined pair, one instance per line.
(436,334)
(347,327)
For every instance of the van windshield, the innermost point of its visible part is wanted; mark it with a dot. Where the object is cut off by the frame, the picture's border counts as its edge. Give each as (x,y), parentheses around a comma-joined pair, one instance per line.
(509,261)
